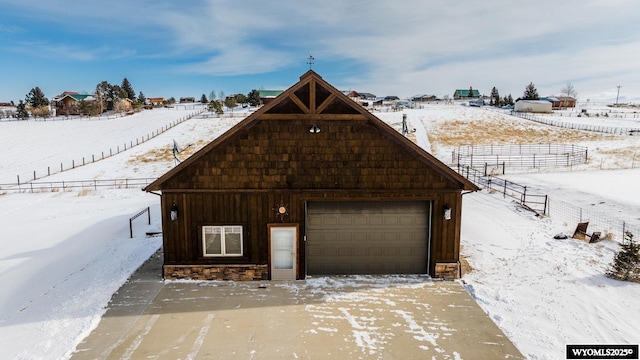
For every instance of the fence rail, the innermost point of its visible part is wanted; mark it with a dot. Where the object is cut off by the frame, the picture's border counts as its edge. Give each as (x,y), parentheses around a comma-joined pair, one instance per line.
(535,202)
(519,155)
(85,160)
(586,127)
(52,186)
(146,210)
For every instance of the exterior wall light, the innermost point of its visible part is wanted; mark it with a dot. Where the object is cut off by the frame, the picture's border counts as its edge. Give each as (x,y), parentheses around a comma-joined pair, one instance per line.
(174,212)
(447,212)
(314,129)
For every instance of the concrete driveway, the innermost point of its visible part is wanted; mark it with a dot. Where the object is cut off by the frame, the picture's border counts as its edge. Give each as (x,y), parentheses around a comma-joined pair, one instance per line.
(355,317)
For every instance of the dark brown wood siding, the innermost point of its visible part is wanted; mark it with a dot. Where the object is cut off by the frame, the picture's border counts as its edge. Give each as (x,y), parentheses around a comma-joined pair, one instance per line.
(285,155)
(255,209)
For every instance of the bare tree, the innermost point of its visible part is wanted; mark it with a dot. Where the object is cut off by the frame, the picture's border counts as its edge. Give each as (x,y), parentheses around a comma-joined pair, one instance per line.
(121,106)
(41,111)
(569,90)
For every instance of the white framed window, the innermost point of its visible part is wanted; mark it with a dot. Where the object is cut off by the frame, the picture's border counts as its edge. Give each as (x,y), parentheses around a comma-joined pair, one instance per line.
(222,240)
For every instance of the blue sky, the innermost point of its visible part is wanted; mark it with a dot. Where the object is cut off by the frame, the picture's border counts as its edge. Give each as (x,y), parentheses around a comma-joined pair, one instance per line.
(403,48)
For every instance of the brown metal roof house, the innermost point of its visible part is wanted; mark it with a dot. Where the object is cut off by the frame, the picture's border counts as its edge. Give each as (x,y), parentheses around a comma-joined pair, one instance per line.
(310,184)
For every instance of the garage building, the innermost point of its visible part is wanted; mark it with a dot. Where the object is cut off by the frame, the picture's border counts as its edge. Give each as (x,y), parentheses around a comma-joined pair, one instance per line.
(310,184)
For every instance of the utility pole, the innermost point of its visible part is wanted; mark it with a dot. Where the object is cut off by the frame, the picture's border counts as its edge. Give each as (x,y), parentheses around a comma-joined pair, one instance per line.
(617,96)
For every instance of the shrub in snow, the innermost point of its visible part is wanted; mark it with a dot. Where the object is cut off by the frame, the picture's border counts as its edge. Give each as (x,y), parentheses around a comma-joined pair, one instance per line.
(626,264)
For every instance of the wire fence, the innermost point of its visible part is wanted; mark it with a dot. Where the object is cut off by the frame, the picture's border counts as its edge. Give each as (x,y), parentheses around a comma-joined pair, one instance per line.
(586,127)
(609,227)
(54,186)
(227,115)
(85,160)
(542,204)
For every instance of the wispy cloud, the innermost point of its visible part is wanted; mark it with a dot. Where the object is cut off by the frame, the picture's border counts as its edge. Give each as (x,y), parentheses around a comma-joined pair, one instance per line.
(10,29)
(240,61)
(406,46)
(57,52)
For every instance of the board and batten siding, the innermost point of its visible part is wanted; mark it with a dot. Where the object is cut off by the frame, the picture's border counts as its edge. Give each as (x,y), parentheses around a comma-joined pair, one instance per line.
(255,209)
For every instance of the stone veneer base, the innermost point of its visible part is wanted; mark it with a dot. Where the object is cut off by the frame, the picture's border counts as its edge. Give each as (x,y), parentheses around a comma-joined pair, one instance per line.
(216,272)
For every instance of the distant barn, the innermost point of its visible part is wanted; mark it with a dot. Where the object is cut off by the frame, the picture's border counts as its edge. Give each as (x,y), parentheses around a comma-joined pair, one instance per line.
(561,102)
(533,106)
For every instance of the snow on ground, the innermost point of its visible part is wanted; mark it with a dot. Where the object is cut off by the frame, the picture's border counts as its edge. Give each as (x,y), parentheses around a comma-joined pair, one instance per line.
(65,253)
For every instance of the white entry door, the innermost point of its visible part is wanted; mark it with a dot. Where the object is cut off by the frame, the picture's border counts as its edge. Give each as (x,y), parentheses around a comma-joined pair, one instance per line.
(283,243)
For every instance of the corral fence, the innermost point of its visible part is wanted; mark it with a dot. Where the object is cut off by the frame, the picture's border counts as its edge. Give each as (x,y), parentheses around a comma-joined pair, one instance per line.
(586,127)
(534,202)
(498,157)
(53,186)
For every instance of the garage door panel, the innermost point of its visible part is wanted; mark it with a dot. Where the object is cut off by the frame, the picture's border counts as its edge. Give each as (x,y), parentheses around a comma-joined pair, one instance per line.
(391,220)
(367,237)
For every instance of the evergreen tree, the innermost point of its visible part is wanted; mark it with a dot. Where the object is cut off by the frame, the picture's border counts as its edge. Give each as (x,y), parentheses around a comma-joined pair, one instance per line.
(509,100)
(107,96)
(530,92)
(470,91)
(253,97)
(117,93)
(141,98)
(212,95)
(626,264)
(126,86)
(230,102)
(203,99)
(215,106)
(22,112)
(495,97)
(86,108)
(241,99)
(35,98)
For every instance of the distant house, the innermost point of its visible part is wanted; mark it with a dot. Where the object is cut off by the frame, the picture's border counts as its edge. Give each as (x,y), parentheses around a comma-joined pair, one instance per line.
(424,98)
(266,96)
(391,98)
(464,94)
(128,104)
(67,103)
(352,94)
(189,99)
(311,184)
(533,106)
(156,101)
(367,96)
(561,102)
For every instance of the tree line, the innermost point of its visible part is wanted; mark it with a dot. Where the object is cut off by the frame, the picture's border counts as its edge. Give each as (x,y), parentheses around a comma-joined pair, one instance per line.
(109,97)
(530,93)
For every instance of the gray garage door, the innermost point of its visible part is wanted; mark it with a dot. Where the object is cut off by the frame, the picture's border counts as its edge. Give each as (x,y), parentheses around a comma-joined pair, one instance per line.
(367,237)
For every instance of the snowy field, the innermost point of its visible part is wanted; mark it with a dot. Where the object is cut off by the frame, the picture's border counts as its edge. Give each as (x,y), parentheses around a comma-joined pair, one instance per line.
(66,252)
